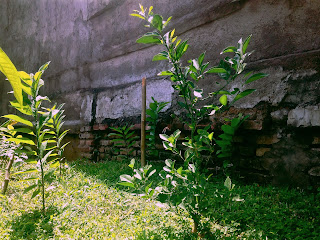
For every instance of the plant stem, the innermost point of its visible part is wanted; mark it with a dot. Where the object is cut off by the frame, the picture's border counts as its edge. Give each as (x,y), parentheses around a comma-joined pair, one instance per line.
(7,175)
(42,189)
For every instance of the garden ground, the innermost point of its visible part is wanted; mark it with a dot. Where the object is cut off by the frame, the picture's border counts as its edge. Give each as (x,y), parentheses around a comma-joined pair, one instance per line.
(87,203)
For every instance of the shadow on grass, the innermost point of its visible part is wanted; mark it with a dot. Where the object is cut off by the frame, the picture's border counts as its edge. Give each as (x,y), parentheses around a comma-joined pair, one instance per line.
(166,233)
(33,225)
(107,171)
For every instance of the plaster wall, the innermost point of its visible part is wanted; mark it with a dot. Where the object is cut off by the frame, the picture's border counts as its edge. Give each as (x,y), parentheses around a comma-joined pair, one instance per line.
(96,66)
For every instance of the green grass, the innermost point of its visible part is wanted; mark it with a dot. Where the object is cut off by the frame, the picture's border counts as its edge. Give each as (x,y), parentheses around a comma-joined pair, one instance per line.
(87,204)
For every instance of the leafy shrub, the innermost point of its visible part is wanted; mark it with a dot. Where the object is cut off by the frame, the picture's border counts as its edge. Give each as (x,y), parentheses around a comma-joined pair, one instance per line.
(153,111)
(186,186)
(124,140)
(40,127)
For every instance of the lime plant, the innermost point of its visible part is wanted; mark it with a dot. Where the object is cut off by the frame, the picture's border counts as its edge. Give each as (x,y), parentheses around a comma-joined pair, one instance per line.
(185,187)
(10,152)
(153,111)
(185,78)
(38,131)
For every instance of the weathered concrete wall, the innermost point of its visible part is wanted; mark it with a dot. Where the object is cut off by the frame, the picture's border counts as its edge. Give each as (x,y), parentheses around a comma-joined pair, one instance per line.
(96,65)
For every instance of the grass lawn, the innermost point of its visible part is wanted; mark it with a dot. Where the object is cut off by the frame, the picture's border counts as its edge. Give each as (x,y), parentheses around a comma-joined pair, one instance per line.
(88,204)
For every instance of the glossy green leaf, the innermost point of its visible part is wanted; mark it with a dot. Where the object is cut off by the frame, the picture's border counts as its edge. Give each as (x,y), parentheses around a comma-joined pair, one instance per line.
(245,44)
(157,22)
(216,70)
(30,188)
(18,119)
(126,184)
(126,178)
(228,129)
(10,71)
(137,15)
(149,39)
(25,130)
(223,100)
(243,94)
(160,57)
(35,193)
(256,77)
(26,171)
(21,140)
(229,49)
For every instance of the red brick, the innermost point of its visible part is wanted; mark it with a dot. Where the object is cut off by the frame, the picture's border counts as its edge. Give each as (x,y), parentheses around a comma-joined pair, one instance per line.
(105,142)
(103,127)
(89,142)
(268,139)
(252,124)
(261,151)
(316,140)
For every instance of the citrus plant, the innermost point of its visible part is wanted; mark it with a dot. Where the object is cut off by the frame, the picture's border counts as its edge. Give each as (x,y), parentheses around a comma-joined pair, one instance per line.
(185,78)
(153,111)
(37,132)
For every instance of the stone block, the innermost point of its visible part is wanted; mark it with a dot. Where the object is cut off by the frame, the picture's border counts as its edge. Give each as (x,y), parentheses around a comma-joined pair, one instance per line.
(261,151)
(280,114)
(316,140)
(86,149)
(268,139)
(89,142)
(253,124)
(101,149)
(86,135)
(105,142)
(86,155)
(85,129)
(315,171)
(304,116)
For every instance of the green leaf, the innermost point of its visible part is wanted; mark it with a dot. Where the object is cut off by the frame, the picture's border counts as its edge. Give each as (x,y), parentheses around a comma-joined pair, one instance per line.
(157,22)
(44,67)
(26,171)
(223,100)
(200,59)
(228,129)
(226,137)
(168,162)
(243,94)
(29,188)
(182,104)
(126,184)
(160,57)
(149,39)
(164,137)
(35,193)
(228,183)
(229,49)
(21,139)
(126,178)
(25,130)
(245,44)
(10,71)
(256,77)
(137,15)
(165,73)
(18,119)
(152,172)
(216,70)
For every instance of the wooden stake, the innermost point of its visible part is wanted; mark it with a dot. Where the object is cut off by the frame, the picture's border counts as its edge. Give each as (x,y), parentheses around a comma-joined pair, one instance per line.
(143,123)
(7,175)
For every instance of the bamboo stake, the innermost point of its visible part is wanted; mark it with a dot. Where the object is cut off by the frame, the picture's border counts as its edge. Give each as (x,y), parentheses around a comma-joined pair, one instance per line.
(7,175)
(143,123)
